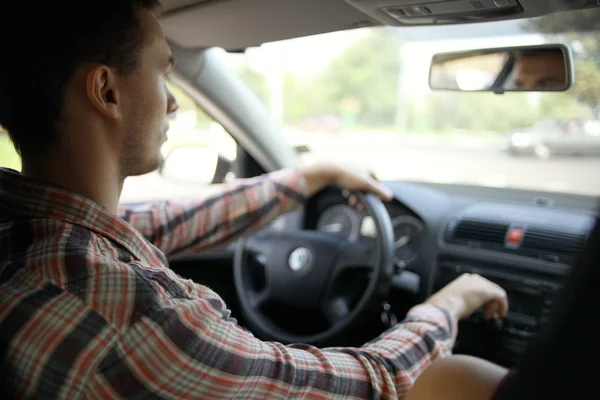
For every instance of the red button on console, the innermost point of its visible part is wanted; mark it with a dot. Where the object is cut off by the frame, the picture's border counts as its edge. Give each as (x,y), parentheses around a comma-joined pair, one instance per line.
(515,235)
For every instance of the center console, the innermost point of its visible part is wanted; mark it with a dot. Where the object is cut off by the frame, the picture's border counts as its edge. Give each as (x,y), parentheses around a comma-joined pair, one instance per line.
(503,341)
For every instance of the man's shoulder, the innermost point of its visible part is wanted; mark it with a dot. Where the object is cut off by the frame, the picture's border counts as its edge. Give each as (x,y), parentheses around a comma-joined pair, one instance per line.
(54,307)
(79,263)
(40,237)
(58,251)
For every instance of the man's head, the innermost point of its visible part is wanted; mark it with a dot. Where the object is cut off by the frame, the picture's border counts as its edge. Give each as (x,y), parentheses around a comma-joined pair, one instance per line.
(541,69)
(84,74)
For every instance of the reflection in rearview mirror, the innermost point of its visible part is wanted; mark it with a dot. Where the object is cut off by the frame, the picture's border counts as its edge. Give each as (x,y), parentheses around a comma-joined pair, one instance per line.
(514,69)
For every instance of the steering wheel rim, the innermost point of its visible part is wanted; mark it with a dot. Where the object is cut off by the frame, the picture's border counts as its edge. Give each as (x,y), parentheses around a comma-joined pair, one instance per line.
(376,290)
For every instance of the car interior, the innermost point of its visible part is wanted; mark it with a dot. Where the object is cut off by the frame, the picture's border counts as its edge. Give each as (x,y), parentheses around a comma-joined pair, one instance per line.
(371,264)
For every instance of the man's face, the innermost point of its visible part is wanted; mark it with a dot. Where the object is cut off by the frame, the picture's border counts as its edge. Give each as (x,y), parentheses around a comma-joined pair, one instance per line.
(544,71)
(147,103)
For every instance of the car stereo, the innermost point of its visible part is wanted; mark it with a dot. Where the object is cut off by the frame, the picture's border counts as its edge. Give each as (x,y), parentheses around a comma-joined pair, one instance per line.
(503,341)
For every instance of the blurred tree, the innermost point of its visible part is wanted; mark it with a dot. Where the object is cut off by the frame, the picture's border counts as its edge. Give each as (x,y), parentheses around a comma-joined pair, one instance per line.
(367,72)
(581,29)
(499,113)
(256,81)
(564,22)
(350,108)
(479,112)
(562,105)
(304,99)
(586,87)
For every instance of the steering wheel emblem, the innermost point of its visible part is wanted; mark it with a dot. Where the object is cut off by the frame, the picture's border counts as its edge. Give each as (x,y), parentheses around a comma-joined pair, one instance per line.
(300,259)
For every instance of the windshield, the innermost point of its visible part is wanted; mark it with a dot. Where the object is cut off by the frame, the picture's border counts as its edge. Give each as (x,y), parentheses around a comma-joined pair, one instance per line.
(363,96)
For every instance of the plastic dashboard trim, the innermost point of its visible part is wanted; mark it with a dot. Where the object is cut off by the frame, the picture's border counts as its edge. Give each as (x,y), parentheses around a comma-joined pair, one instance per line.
(437,208)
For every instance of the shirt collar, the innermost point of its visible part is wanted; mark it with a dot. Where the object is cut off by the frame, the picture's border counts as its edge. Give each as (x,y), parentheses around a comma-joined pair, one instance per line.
(29,197)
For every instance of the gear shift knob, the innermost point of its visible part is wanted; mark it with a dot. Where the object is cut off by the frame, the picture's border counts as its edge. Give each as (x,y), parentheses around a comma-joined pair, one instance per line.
(495,324)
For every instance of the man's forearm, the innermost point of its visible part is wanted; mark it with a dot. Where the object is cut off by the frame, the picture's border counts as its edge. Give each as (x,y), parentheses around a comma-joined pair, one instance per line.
(178,227)
(211,358)
(318,176)
(184,226)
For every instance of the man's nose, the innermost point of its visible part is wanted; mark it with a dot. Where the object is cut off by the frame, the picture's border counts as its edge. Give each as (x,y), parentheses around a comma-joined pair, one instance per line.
(172,104)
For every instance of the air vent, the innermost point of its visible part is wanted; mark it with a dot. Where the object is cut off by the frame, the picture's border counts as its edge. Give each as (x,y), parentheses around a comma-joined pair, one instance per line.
(559,244)
(478,5)
(480,231)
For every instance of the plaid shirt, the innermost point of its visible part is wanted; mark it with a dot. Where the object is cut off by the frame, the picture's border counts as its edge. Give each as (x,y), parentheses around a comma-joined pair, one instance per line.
(90,309)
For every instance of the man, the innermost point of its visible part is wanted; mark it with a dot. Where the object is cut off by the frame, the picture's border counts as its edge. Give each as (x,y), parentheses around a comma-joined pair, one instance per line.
(88,305)
(541,69)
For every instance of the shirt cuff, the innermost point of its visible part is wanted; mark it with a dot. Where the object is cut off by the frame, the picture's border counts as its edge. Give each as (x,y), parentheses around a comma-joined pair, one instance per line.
(440,316)
(294,182)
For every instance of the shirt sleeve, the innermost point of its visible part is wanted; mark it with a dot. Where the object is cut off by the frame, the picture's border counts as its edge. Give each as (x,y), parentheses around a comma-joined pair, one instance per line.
(192,350)
(215,220)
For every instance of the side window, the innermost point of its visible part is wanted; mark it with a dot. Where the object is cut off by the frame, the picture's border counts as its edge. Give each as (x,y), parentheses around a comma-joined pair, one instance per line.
(8,156)
(197,154)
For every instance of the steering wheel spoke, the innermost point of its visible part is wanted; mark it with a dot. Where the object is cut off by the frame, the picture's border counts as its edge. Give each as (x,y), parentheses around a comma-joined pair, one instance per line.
(259,299)
(355,255)
(335,310)
(304,269)
(258,246)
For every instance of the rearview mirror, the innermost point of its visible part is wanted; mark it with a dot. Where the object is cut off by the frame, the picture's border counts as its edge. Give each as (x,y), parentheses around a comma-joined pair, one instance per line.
(541,68)
(301,149)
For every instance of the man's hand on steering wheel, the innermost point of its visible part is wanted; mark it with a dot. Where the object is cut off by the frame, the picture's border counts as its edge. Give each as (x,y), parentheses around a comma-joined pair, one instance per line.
(346,176)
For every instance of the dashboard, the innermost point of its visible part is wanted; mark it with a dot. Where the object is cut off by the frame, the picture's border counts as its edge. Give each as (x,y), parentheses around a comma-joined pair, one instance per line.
(525,245)
(333,215)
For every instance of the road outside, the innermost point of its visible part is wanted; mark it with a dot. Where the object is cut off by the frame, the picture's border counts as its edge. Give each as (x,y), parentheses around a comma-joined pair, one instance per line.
(449,159)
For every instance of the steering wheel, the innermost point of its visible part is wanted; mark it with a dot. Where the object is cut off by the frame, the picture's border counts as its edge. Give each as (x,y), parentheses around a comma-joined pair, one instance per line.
(300,269)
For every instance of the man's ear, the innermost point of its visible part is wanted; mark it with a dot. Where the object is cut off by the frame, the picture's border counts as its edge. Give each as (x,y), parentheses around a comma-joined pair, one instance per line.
(103,91)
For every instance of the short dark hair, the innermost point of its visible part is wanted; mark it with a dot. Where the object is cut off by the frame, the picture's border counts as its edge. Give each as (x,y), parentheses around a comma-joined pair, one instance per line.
(42,48)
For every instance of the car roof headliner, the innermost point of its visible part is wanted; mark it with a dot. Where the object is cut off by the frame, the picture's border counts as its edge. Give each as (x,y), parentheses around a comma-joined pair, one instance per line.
(238,24)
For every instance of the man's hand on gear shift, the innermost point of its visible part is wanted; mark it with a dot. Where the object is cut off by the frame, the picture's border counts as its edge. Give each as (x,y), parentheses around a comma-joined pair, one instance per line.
(463,296)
